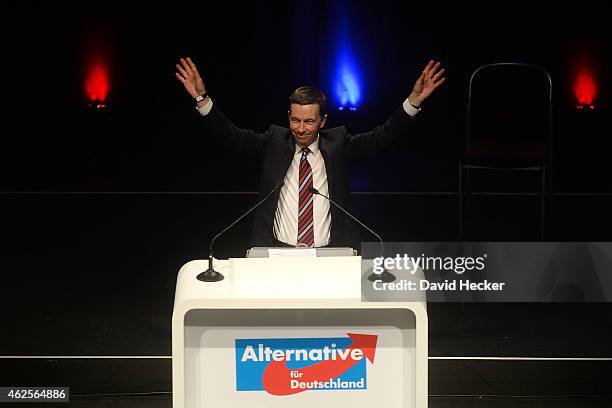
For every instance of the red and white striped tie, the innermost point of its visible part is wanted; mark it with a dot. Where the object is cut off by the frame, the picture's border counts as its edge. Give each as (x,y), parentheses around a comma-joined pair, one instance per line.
(305,213)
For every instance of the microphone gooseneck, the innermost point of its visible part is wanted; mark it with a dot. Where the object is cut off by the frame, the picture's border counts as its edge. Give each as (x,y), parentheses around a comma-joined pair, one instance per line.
(211,275)
(384,276)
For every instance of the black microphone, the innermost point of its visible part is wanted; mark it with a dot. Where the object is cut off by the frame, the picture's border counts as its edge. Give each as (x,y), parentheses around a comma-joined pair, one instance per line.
(385,275)
(210,275)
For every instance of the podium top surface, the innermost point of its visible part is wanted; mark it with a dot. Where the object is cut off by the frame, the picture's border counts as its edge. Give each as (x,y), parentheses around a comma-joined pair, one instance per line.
(315,282)
(265,252)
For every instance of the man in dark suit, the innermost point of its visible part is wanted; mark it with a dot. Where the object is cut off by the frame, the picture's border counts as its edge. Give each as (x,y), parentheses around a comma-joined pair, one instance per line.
(304,156)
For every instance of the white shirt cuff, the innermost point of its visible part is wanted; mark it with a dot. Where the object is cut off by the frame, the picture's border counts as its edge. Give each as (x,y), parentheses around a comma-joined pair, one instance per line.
(205,110)
(409,109)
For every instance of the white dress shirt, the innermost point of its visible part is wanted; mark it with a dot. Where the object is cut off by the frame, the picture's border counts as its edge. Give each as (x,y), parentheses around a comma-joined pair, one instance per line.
(286,217)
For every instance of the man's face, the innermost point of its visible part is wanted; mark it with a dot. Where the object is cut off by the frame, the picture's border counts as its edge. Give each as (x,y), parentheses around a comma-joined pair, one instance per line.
(305,122)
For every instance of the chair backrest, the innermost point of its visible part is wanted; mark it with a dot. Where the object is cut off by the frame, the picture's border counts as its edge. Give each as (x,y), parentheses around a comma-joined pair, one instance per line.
(509,101)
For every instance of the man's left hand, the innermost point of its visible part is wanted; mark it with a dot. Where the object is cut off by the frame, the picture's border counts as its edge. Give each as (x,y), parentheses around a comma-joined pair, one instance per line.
(430,79)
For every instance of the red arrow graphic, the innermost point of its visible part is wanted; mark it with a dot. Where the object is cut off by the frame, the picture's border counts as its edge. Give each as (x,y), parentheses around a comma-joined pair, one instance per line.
(276,377)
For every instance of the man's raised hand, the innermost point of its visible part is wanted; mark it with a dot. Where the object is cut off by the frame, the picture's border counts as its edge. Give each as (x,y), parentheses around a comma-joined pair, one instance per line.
(430,79)
(190,77)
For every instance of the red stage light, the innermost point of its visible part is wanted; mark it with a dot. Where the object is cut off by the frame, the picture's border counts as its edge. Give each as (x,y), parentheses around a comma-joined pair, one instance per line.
(585,90)
(97,84)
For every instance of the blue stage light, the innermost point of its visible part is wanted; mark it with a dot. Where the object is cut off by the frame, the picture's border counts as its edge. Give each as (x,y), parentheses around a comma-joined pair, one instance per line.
(347,84)
(342,61)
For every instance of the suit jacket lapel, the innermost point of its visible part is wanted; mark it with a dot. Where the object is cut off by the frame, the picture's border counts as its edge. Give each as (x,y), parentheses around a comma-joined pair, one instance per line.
(324,153)
(288,153)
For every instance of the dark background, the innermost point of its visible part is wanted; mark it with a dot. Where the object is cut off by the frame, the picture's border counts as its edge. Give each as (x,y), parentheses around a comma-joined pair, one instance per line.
(100,209)
(252,55)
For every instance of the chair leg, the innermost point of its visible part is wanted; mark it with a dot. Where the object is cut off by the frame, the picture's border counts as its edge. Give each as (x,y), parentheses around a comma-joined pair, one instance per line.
(543,205)
(467,192)
(460,200)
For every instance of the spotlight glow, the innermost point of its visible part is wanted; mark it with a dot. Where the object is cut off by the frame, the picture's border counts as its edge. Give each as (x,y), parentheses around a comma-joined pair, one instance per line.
(97,83)
(347,82)
(585,89)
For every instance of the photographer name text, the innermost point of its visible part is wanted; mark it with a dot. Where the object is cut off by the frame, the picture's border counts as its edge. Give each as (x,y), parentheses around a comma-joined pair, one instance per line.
(455,285)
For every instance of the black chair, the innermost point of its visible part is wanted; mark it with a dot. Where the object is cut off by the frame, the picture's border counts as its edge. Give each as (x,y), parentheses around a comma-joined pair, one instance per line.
(509,127)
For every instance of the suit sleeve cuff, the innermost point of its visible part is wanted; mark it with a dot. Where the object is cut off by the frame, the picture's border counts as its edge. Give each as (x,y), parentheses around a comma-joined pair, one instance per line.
(409,109)
(205,110)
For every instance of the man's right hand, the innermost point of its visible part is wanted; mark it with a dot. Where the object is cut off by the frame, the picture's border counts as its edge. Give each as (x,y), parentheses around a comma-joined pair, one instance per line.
(190,78)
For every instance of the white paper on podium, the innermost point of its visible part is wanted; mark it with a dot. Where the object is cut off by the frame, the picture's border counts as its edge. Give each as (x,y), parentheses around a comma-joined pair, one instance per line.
(292,252)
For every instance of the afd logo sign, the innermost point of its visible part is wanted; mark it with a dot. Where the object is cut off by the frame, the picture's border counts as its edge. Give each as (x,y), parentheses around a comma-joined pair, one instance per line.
(287,366)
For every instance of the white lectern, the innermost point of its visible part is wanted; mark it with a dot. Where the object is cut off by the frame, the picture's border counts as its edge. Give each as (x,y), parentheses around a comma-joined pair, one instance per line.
(294,332)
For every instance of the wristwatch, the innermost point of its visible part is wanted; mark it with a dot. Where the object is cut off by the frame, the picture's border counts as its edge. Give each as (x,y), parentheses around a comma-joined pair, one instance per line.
(201,97)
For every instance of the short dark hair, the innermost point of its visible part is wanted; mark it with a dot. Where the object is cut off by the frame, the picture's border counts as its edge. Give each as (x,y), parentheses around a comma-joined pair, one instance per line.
(308,95)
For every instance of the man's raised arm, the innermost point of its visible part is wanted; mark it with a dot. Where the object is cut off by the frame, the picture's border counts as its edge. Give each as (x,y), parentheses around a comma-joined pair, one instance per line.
(233,137)
(368,143)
